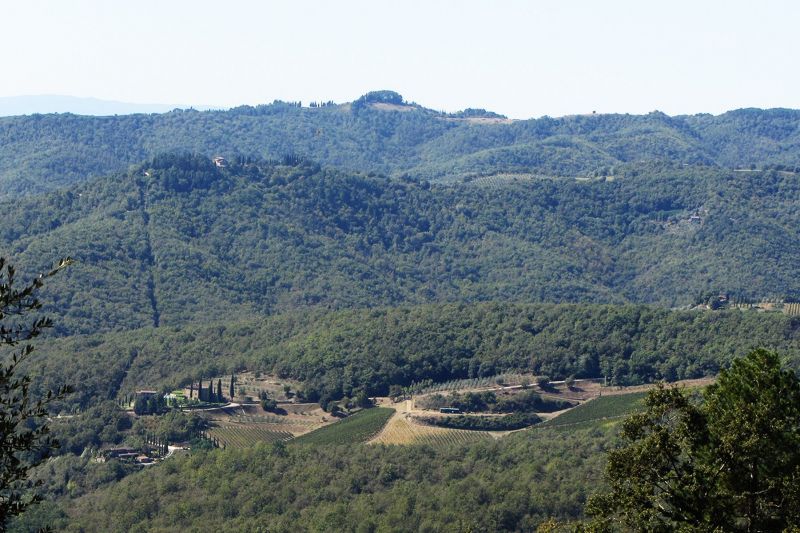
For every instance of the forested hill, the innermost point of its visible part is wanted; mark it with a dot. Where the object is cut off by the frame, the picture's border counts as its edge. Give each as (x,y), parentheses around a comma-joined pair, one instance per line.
(179,240)
(380,133)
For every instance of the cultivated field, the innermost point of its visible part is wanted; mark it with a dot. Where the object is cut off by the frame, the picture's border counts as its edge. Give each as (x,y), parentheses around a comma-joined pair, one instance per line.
(243,436)
(247,425)
(401,430)
(598,410)
(356,428)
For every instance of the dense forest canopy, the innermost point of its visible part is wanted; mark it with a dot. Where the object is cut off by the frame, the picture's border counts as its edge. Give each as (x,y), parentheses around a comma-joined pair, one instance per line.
(340,353)
(380,132)
(364,248)
(178,240)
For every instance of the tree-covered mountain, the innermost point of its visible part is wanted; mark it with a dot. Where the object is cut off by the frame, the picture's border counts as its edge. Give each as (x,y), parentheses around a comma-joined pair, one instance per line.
(179,240)
(381,133)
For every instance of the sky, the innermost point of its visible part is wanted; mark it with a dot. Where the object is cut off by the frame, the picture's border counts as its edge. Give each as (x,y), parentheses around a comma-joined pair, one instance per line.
(523,59)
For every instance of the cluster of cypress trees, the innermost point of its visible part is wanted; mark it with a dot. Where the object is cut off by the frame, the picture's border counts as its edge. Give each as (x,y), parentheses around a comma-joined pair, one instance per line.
(156,443)
(212,393)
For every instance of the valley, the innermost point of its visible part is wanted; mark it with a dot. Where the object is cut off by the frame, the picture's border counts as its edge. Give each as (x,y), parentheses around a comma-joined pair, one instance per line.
(386,332)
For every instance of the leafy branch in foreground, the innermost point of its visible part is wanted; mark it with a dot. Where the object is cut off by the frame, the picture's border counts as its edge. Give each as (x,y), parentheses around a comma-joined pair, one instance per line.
(24,437)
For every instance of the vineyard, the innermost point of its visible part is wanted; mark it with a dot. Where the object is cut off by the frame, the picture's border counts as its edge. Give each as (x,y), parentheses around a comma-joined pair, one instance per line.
(603,408)
(356,428)
(401,431)
(787,308)
(792,309)
(242,436)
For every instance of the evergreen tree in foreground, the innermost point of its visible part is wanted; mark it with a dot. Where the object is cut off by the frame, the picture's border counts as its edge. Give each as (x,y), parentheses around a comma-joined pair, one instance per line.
(726,460)
(24,434)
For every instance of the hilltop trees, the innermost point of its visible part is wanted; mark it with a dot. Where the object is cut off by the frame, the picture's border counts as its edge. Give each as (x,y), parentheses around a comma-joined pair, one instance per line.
(729,461)
(24,434)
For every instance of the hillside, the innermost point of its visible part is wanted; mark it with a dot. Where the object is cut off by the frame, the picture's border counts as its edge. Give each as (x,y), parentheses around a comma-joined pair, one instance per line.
(336,354)
(380,133)
(512,484)
(178,240)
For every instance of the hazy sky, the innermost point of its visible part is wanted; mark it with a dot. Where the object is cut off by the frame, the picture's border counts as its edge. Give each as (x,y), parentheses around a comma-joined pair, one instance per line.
(522,59)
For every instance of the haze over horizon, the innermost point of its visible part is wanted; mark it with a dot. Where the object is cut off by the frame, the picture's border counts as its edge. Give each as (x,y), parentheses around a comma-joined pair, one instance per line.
(520,59)
(90,106)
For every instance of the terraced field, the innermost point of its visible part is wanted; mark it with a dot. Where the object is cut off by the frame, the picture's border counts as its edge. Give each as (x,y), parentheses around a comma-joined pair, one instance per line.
(359,427)
(401,431)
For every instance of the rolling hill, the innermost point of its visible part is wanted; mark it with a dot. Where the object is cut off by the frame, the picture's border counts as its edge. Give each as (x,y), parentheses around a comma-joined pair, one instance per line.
(179,240)
(43,152)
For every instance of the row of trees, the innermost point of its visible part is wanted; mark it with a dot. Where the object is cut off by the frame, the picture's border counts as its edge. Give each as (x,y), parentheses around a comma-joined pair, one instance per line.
(209,394)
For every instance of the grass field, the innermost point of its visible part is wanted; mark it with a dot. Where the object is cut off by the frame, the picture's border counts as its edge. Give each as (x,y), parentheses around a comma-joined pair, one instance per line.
(401,431)
(242,436)
(597,410)
(359,427)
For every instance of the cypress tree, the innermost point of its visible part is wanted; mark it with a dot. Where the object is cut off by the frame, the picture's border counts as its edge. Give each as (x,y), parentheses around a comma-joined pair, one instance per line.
(200,390)
(219,390)
(230,389)
(191,390)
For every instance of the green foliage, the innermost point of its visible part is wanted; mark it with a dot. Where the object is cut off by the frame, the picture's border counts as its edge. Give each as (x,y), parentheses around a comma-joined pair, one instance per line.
(269,405)
(728,463)
(102,424)
(24,432)
(337,354)
(46,152)
(475,402)
(261,238)
(174,426)
(356,428)
(484,423)
(151,405)
(344,488)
